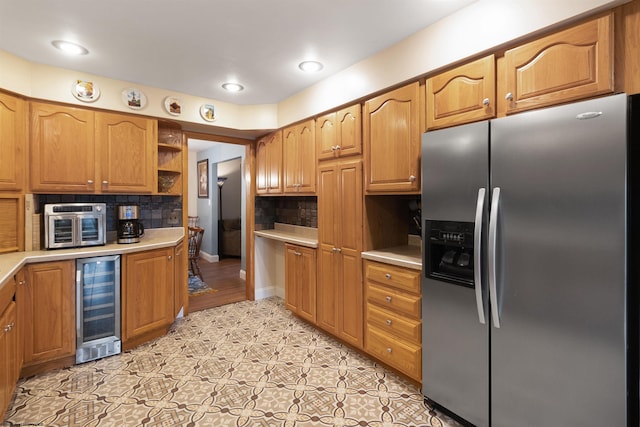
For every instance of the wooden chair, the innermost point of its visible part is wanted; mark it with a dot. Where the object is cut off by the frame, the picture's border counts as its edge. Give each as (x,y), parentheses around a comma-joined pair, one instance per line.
(195,240)
(193,221)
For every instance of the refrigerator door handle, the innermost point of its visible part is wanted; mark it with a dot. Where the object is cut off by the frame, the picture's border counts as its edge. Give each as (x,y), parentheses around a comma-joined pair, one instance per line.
(477,254)
(493,227)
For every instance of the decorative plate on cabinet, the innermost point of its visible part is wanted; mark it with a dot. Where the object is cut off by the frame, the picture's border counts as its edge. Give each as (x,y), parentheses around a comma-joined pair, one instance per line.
(173,106)
(208,112)
(134,98)
(85,91)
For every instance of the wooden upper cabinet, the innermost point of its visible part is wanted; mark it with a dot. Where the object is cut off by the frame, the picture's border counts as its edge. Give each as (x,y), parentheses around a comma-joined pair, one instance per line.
(128,150)
(464,94)
(299,158)
(339,133)
(13,142)
(269,164)
(62,149)
(569,65)
(391,131)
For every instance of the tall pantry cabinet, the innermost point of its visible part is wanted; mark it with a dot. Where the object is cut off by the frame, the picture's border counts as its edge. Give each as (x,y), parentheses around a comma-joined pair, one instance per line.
(340,201)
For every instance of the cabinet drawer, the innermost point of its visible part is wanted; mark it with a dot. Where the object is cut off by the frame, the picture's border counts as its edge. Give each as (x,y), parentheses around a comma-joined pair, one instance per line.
(396,353)
(392,299)
(395,325)
(401,278)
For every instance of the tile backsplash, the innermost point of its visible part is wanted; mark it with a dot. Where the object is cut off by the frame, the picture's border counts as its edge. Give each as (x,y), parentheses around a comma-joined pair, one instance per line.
(297,210)
(154,210)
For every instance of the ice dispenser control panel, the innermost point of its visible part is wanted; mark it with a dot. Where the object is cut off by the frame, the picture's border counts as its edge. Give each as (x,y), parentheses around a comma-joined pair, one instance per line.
(449,252)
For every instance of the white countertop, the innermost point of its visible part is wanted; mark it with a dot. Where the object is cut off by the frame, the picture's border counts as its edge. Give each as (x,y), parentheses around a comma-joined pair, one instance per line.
(409,256)
(154,238)
(303,236)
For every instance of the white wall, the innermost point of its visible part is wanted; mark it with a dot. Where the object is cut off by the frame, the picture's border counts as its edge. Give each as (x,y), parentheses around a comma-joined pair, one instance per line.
(232,188)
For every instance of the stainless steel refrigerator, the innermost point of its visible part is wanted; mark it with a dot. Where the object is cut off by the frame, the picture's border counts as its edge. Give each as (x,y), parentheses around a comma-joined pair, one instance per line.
(529,315)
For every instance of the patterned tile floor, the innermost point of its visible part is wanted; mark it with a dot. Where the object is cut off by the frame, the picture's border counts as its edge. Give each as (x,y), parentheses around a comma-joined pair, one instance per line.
(246,364)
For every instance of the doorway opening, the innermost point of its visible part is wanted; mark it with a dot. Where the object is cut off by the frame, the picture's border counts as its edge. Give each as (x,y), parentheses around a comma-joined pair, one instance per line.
(221,212)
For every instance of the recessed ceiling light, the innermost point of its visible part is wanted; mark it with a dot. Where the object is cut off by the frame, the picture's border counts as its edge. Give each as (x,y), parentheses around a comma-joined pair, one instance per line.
(69,47)
(310,66)
(232,87)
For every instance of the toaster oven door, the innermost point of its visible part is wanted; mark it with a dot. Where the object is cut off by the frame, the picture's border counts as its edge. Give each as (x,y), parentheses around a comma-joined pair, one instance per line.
(90,230)
(61,231)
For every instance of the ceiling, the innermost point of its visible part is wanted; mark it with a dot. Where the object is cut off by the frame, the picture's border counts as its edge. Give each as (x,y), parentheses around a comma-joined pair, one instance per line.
(193,46)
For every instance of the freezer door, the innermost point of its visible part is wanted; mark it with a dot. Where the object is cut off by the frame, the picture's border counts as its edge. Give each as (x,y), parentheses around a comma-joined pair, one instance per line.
(455,345)
(558,357)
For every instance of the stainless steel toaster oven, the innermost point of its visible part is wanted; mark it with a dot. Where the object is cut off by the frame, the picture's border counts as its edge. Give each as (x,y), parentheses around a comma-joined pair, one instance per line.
(70,225)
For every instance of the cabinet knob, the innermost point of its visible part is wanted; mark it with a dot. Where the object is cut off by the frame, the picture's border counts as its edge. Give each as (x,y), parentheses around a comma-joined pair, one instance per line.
(334,250)
(509,96)
(389,350)
(105,182)
(339,250)
(486,102)
(297,253)
(388,298)
(89,182)
(387,276)
(169,257)
(388,322)
(337,147)
(412,178)
(333,148)
(9,327)
(22,282)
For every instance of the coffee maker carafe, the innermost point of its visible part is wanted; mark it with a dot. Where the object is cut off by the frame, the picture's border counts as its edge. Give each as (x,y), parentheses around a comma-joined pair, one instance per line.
(130,228)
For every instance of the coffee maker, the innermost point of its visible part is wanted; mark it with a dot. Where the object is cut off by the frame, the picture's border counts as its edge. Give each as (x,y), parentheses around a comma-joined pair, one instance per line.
(130,228)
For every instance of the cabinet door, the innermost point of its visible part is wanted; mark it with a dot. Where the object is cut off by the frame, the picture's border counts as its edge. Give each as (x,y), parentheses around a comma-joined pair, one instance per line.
(329,259)
(572,64)
(47,303)
(392,141)
(326,136)
(269,164)
(299,158)
(62,149)
(300,281)
(349,220)
(11,222)
(291,297)
(147,292)
(9,367)
(462,95)
(13,142)
(349,131)
(128,153)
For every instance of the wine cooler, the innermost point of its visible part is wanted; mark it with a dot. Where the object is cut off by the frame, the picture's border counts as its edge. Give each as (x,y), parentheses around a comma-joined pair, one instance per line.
(97,307)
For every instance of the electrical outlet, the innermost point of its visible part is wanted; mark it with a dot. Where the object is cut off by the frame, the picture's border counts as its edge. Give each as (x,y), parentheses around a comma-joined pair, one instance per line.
(174,218)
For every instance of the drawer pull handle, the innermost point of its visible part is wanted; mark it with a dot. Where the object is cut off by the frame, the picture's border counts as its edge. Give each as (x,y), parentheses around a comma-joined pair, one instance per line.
(388,322)
(388,298)
(388,276)
(389,350)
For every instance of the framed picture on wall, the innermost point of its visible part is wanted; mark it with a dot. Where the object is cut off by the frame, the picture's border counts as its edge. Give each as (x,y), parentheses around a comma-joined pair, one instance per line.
(203,179)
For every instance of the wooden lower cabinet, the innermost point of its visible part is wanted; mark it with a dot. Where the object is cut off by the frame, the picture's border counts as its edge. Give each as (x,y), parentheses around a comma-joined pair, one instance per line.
(47,301)
(147,295)
(9,345)
(300,281)
(393,327)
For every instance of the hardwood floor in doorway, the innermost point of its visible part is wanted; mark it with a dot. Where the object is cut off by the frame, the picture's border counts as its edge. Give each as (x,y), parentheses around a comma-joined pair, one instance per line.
(224,277)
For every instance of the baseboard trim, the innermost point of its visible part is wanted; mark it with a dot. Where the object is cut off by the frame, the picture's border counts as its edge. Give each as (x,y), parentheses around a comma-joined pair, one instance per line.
(210,258)
(269,291)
